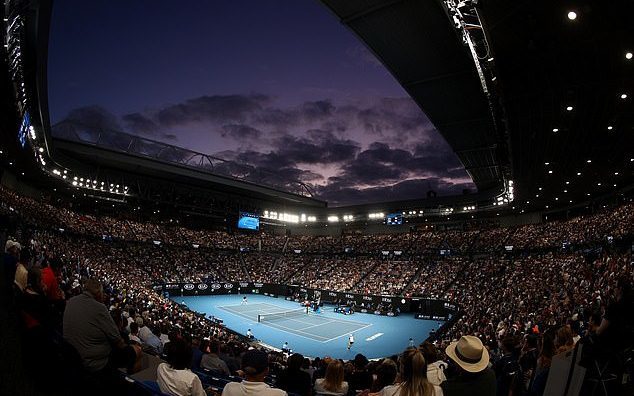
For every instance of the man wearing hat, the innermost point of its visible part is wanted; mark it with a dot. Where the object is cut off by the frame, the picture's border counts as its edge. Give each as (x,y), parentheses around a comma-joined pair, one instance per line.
(474,377)
(255,365)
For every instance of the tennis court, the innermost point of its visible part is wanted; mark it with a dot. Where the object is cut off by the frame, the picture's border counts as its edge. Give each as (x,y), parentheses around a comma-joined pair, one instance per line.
(296,321)
(317,334)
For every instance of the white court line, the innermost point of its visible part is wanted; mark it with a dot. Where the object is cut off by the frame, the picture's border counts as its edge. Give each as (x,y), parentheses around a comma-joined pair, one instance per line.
(334,338)
(320,324)
(310,336)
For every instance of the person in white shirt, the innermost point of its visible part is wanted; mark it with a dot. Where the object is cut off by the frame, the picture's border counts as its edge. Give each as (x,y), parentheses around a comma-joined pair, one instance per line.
(255,365)
(174,377)
(249,334)
(350,341)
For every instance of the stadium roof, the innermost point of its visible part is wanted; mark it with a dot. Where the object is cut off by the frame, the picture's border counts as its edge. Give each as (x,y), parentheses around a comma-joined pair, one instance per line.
(417,42)
(565,86)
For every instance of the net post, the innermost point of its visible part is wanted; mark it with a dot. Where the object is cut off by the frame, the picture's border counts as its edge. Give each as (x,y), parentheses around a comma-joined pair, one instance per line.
(259,318)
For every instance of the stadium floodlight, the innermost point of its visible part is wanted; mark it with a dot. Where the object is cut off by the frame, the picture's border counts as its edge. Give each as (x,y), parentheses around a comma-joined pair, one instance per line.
(302,217)
(312,219)
(623,96)
(333,219)
(609,127)
(572,15)
(569,108)
(628,55)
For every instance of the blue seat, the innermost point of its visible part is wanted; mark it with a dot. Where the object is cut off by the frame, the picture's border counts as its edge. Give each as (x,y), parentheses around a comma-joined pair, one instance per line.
(152,387)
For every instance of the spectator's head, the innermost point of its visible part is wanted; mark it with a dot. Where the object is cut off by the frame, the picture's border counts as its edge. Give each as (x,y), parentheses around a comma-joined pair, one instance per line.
(134,328)
(94,288)
(214,346)
(469,354)
(414,374)
(385,374)
(595,320)
(360,362)
(13,248)
(55,264)
(508,344)
(255,365)
(179,355)
(429,352)
(334,376)
(295,362)
(564,337)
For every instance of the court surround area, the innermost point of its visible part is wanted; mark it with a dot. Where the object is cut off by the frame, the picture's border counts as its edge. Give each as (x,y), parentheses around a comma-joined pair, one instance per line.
(314,334)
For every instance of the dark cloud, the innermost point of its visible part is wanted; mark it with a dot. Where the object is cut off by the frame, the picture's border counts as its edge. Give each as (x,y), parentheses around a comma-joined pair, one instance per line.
(317,110)
(240,132)
(384,149)
(93,117)
(137,122)
(216,108)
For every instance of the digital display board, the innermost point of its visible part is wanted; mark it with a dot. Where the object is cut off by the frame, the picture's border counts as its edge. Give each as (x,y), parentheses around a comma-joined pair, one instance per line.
(24,129)
(249,221)
(394,219)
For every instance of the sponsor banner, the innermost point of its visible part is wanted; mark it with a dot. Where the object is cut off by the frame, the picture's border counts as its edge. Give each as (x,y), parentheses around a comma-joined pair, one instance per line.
(425,308)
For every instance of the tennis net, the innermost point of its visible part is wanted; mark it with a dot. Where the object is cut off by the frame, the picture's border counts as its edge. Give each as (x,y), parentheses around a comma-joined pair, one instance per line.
(281,315)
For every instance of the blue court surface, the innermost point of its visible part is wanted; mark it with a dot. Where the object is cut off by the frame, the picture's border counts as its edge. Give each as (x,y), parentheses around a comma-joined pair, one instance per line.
(315,334)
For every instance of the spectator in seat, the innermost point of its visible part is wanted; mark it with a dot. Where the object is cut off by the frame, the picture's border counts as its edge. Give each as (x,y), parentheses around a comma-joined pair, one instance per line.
(134,333)
(435,366)
(360,379)
(144,330)
(11,257)
(413,376)
(175,377)
(154,342)
(255,367)
(332,383)
(618,317)
(293,379)
(474,377)
(211,360)
(547,351)
(564,341)
(385,375)
(21,271)
(50,276)
(89,328)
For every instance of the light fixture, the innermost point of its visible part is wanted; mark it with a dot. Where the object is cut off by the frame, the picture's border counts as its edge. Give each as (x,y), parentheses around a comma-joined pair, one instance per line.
(555,129)
(610,128)
(550,172)
(546,163)
(572,15)
(628,55)
(623,96)
(569,108)
(589,161)
(578,173)
(567,182)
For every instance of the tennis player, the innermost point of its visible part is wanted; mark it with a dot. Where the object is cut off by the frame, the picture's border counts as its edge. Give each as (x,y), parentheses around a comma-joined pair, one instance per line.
(244,300)
(350,341)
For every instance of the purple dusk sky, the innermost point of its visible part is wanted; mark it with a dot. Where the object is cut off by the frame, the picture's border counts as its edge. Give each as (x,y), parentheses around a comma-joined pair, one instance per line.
(280,85)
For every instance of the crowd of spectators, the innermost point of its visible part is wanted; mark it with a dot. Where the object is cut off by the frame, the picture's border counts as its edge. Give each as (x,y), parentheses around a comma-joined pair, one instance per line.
(583,230)
(517,309)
